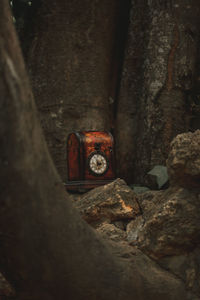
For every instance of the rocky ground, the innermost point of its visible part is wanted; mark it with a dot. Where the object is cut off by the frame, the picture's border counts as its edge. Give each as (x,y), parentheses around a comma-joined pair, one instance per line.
(159,230)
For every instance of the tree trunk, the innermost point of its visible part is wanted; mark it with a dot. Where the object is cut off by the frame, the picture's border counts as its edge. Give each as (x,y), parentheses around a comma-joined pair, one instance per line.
(70,64)
(47,251)
(158,77)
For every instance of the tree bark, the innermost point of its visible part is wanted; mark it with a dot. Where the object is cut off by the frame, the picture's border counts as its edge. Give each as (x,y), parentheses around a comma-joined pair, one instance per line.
(70,65)
(47,251)
(158,76)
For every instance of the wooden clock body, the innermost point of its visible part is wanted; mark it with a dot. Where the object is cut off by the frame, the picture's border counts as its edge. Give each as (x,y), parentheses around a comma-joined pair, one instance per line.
(90,159)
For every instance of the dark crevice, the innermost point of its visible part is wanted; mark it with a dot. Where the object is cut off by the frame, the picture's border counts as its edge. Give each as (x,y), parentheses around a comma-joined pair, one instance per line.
(121,35)
(24,12)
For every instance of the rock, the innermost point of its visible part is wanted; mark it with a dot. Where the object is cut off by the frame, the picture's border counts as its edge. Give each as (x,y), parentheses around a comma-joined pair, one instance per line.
(109,203)
(133,229)
(163,284)
(111,232)
(161,226)
(138,189)
(186,267)
(159,176)
(168,231)
(150,181)
(184,160)
(149,201)
(171,227)
(120,224)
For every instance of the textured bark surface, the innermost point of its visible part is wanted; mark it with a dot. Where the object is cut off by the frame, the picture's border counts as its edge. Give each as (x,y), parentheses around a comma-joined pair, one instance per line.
(70,65)
(75,65)
(159,74)
(47,251)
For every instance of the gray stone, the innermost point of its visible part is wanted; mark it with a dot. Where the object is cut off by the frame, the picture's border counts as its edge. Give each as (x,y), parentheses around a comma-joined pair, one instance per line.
(139,189)
(160,174)
(133,229)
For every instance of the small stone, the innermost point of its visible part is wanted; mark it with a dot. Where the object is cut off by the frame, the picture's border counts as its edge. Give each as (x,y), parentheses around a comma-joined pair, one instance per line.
(139,189)
(133,229)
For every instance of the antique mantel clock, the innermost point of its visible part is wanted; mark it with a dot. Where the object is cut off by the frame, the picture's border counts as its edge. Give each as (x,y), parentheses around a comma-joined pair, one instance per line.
(90,159)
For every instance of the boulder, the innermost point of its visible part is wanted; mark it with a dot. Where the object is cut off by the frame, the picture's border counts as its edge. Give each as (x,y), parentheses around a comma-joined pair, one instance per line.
(156,231)
(162,283)
(184,160)
(186,267)
(168,230)
(172,226)
(112,202)
(111,232)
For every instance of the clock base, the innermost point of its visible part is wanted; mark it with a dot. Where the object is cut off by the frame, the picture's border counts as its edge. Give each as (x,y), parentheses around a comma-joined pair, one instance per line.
(83,186)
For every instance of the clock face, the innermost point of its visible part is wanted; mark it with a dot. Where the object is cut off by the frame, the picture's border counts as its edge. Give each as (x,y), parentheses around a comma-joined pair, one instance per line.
(98,164)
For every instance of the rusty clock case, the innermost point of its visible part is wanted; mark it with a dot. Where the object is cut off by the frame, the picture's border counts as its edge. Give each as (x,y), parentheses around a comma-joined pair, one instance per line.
(90,159)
